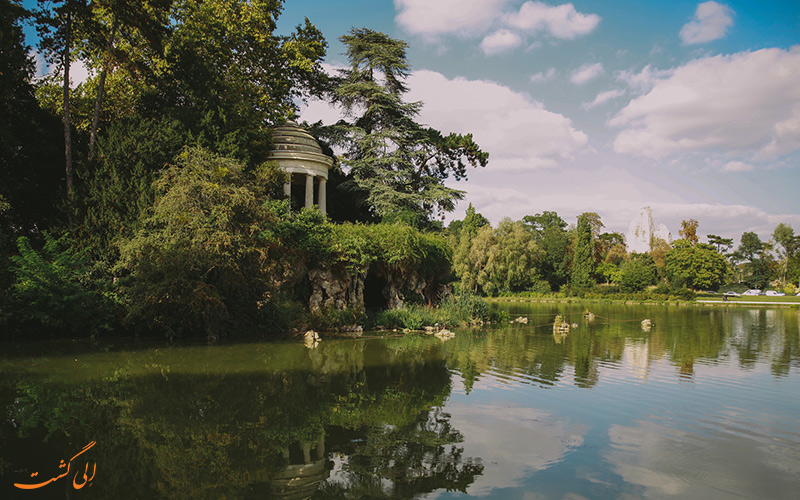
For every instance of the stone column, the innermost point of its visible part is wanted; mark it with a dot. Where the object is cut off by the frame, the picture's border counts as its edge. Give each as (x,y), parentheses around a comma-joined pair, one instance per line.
(287,187)
(309,190)
(323,201)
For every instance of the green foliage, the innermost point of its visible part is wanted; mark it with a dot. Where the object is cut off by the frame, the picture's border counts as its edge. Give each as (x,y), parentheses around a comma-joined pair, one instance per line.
(130,155)
(207,259)
(511,261)
(394,247)
(583,258)
(400,165)
(54,293)
(637,273)
(29,136)
(697,266)
(330,319)
(461,309)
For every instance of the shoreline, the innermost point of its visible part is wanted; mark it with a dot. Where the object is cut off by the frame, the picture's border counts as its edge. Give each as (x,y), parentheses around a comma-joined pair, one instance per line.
(680,303)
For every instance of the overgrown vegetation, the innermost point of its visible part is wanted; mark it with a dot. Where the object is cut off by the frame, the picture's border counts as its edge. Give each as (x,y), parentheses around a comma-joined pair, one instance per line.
(455,310)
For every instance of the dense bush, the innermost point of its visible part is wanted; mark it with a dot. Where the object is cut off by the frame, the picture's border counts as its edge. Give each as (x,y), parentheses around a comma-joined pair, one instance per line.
(208,259)
(54,291)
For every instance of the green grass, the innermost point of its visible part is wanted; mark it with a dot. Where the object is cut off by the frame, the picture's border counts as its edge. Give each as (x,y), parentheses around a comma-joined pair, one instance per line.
(755,298)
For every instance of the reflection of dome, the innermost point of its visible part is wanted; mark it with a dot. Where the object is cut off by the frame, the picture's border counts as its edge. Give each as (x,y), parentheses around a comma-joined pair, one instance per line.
(298,153)
(300,481)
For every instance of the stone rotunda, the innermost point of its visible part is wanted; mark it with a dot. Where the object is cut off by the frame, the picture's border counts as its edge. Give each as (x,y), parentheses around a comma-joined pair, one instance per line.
(298,153)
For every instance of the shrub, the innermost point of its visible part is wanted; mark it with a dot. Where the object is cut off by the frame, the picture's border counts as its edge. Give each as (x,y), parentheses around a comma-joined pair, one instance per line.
(55,293)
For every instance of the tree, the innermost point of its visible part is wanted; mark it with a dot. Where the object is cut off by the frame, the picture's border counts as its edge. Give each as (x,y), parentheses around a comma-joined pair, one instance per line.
(697,266)
(401,164)
(540,222)
(60,25)
(207,258)
(30,180)
(637,273)
(787,244)
(462,243)
(228,77)
(688,231)
(511,263)
(550,233)
(127,34)
(722,244)
(583,258)
(753,250)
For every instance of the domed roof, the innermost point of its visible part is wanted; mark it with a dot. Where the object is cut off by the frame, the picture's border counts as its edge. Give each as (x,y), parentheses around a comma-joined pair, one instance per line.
(291,137)
(296,151)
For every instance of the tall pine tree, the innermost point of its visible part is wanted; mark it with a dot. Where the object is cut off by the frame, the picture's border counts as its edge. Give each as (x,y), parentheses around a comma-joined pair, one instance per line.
(400,163)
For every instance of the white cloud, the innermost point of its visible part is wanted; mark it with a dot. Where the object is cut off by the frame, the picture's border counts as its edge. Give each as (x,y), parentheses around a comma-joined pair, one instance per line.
(474,18)
(711,21)
(432,18)
(78,71)
(561,21)
(586,73)
(500,41)
(740,103)
(518,132)
(604,97)
(737,166)
(543,76)
(547,439)
(644,80)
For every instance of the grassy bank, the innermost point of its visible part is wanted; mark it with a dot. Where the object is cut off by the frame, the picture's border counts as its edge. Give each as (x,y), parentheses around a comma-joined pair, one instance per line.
(702,300)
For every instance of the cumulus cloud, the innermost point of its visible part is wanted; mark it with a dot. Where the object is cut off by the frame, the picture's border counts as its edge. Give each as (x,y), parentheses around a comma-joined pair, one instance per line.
(517,131)
(711,21)
(543,76)
(586,73)
(604,97)
(500,41)
(741,103)
(426,18)
(560,21)
(474,18)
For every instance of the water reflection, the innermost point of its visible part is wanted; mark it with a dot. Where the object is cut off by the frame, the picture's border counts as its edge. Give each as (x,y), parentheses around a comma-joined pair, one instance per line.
(701,404)
(243,421)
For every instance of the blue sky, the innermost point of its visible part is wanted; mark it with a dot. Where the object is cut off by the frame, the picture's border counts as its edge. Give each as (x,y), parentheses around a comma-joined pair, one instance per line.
(691,108)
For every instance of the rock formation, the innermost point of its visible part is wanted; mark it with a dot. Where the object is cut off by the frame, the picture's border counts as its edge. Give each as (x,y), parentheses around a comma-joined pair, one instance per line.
(662,233)
(640,232)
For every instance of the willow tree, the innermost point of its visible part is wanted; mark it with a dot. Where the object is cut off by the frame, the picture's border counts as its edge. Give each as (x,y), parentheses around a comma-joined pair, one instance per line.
(401,164)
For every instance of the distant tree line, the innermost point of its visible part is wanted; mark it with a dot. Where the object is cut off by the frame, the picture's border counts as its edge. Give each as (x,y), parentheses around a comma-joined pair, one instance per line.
(542,254)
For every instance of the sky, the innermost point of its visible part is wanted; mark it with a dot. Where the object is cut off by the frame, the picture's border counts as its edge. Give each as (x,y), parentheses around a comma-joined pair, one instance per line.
(692,109)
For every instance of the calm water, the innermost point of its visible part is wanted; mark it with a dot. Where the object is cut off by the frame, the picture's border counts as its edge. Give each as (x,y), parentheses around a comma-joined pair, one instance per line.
(706,404)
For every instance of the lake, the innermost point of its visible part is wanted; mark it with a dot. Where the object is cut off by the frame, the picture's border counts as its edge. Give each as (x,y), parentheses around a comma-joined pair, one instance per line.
(705,403)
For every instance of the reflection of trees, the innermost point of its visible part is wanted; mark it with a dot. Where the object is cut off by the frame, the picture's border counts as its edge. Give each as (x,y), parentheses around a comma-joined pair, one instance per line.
(250,421)
(686,336)
(402,461)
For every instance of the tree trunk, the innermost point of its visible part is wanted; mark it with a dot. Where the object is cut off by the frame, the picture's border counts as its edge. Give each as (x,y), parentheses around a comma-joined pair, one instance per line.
(100,89)
(67,126)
